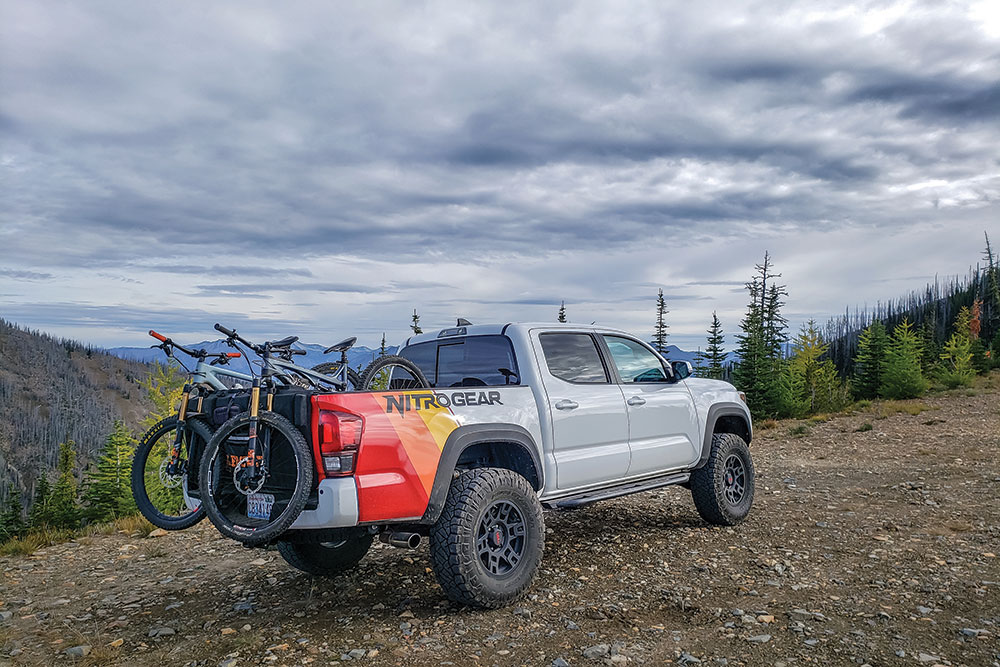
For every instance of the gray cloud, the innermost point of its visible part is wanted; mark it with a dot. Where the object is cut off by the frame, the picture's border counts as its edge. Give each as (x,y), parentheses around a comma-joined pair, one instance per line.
(25,275)
(375,159)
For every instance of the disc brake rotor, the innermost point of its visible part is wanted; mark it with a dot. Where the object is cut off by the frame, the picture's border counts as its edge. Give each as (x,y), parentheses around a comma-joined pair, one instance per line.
(166,479)
(246,482)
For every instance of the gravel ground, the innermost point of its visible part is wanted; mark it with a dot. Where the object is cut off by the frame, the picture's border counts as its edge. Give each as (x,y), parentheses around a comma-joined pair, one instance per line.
(873,540)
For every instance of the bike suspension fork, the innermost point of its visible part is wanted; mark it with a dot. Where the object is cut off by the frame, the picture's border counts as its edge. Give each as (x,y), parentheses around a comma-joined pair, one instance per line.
(173,468)
(254,412)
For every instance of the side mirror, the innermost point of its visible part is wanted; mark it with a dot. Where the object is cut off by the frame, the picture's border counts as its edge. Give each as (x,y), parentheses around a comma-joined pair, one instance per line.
(682,369)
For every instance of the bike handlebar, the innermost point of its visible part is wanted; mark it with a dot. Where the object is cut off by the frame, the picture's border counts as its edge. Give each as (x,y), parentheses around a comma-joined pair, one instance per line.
(228,332)
(167,344)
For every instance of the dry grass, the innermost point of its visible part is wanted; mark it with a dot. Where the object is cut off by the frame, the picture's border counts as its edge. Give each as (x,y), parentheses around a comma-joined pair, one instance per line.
(35,540)
(799,430)
(134,526)
(768,424)
(884,409)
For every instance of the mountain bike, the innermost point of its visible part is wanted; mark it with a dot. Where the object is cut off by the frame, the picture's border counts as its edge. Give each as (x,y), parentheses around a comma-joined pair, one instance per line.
(257,469)
(165,463)
(258,463)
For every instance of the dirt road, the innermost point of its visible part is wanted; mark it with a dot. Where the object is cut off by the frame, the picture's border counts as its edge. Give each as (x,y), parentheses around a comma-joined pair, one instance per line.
(872,541)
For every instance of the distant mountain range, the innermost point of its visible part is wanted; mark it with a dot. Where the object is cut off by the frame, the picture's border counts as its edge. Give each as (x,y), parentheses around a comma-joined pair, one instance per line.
(358,357)
(674,353)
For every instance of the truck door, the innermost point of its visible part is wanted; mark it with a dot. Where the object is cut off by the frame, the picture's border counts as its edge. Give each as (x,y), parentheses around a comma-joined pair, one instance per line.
(662,421)
(589,419)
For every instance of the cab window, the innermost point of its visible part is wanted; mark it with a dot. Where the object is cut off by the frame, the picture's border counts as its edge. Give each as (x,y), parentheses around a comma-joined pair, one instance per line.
(573,357)
(634,361)
(475,361)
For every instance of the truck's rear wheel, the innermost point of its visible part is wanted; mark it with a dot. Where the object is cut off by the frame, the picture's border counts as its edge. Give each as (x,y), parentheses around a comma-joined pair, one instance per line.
(487,544)
(326,559)
(723,488)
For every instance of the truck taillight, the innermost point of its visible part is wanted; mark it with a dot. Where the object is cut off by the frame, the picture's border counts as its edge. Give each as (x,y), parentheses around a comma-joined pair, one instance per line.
(339,439)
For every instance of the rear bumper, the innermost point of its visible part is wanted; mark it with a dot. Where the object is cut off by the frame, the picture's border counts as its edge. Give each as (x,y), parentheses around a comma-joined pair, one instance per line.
(337,508)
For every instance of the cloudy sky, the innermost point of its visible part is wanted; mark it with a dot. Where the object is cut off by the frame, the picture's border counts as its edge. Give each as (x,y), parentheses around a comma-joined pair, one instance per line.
(324,168)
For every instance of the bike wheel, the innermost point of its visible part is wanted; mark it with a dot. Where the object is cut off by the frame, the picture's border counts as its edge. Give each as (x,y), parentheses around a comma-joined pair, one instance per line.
(279,492)
(392,372)
(333,368)
(159,495)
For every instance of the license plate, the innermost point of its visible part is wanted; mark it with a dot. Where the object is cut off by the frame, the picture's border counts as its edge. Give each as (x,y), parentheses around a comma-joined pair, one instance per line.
(259,505)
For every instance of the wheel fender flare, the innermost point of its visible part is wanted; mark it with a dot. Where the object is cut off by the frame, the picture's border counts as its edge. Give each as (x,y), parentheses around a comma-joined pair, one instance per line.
(467,436)
(716,412)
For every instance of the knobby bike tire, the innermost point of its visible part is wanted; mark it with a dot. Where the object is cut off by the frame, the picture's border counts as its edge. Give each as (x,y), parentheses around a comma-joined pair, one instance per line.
(196,429)
(370,376)
(332,367)
(217,482)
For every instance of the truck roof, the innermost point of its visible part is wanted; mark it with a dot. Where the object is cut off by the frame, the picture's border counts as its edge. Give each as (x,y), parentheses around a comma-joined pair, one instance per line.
(501,328)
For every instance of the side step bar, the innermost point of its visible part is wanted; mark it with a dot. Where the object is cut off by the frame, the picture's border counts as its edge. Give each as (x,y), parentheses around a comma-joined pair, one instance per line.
(583,499)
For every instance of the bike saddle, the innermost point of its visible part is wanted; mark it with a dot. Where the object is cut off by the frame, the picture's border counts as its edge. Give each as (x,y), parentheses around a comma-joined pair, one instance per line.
(284,342)
(342,346)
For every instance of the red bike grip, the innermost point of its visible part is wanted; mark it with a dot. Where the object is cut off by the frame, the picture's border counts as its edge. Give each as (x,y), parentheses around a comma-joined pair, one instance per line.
(233,355)
(159,337)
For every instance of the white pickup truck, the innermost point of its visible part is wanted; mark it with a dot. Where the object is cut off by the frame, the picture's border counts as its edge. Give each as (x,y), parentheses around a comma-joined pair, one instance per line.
(518,417)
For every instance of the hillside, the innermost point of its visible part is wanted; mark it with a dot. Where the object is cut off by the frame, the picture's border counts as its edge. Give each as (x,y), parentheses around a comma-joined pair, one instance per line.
(53,389)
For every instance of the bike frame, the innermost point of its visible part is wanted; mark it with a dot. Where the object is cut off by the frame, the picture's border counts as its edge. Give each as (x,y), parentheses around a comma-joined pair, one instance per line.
(206,373)
(339,380)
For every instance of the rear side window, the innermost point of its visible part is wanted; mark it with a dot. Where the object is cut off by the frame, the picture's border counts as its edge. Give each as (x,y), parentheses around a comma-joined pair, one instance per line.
(573,358)
(476,361)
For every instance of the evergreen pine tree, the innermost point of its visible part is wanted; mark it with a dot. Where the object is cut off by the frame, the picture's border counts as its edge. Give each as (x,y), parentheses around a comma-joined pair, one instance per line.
(660,330)
(815,385)
(12,516)
(562,312)
(762,372)
(903,377)
(64,511)
(869,364)
(991,301)
(957,369)
(994,351)
(712,361)
(39,515)
(164,386)
(381,349)
(415,324)
(109,493)
(980,361)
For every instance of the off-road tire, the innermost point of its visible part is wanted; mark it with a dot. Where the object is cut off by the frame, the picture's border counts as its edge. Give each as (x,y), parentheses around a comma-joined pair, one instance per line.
(368,375)
(331,368)
(253,536)
(455,557)
(326,559)
(138,474)
(708,483)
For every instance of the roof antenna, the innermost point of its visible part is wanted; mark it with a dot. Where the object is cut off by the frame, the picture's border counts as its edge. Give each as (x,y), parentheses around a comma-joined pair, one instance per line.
(462,322)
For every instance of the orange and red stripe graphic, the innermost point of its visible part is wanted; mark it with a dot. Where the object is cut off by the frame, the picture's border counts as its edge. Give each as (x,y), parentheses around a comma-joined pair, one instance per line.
(400,449)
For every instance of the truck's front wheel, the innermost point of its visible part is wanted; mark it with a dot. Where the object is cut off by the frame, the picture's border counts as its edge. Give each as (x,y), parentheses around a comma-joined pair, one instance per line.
(723,488)
(487,544)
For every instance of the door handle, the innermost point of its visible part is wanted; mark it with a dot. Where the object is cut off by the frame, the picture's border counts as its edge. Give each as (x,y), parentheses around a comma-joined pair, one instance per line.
(636,400)
(567,404)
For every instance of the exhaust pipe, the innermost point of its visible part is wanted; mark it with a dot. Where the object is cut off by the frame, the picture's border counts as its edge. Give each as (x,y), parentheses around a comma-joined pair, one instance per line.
(401,540)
